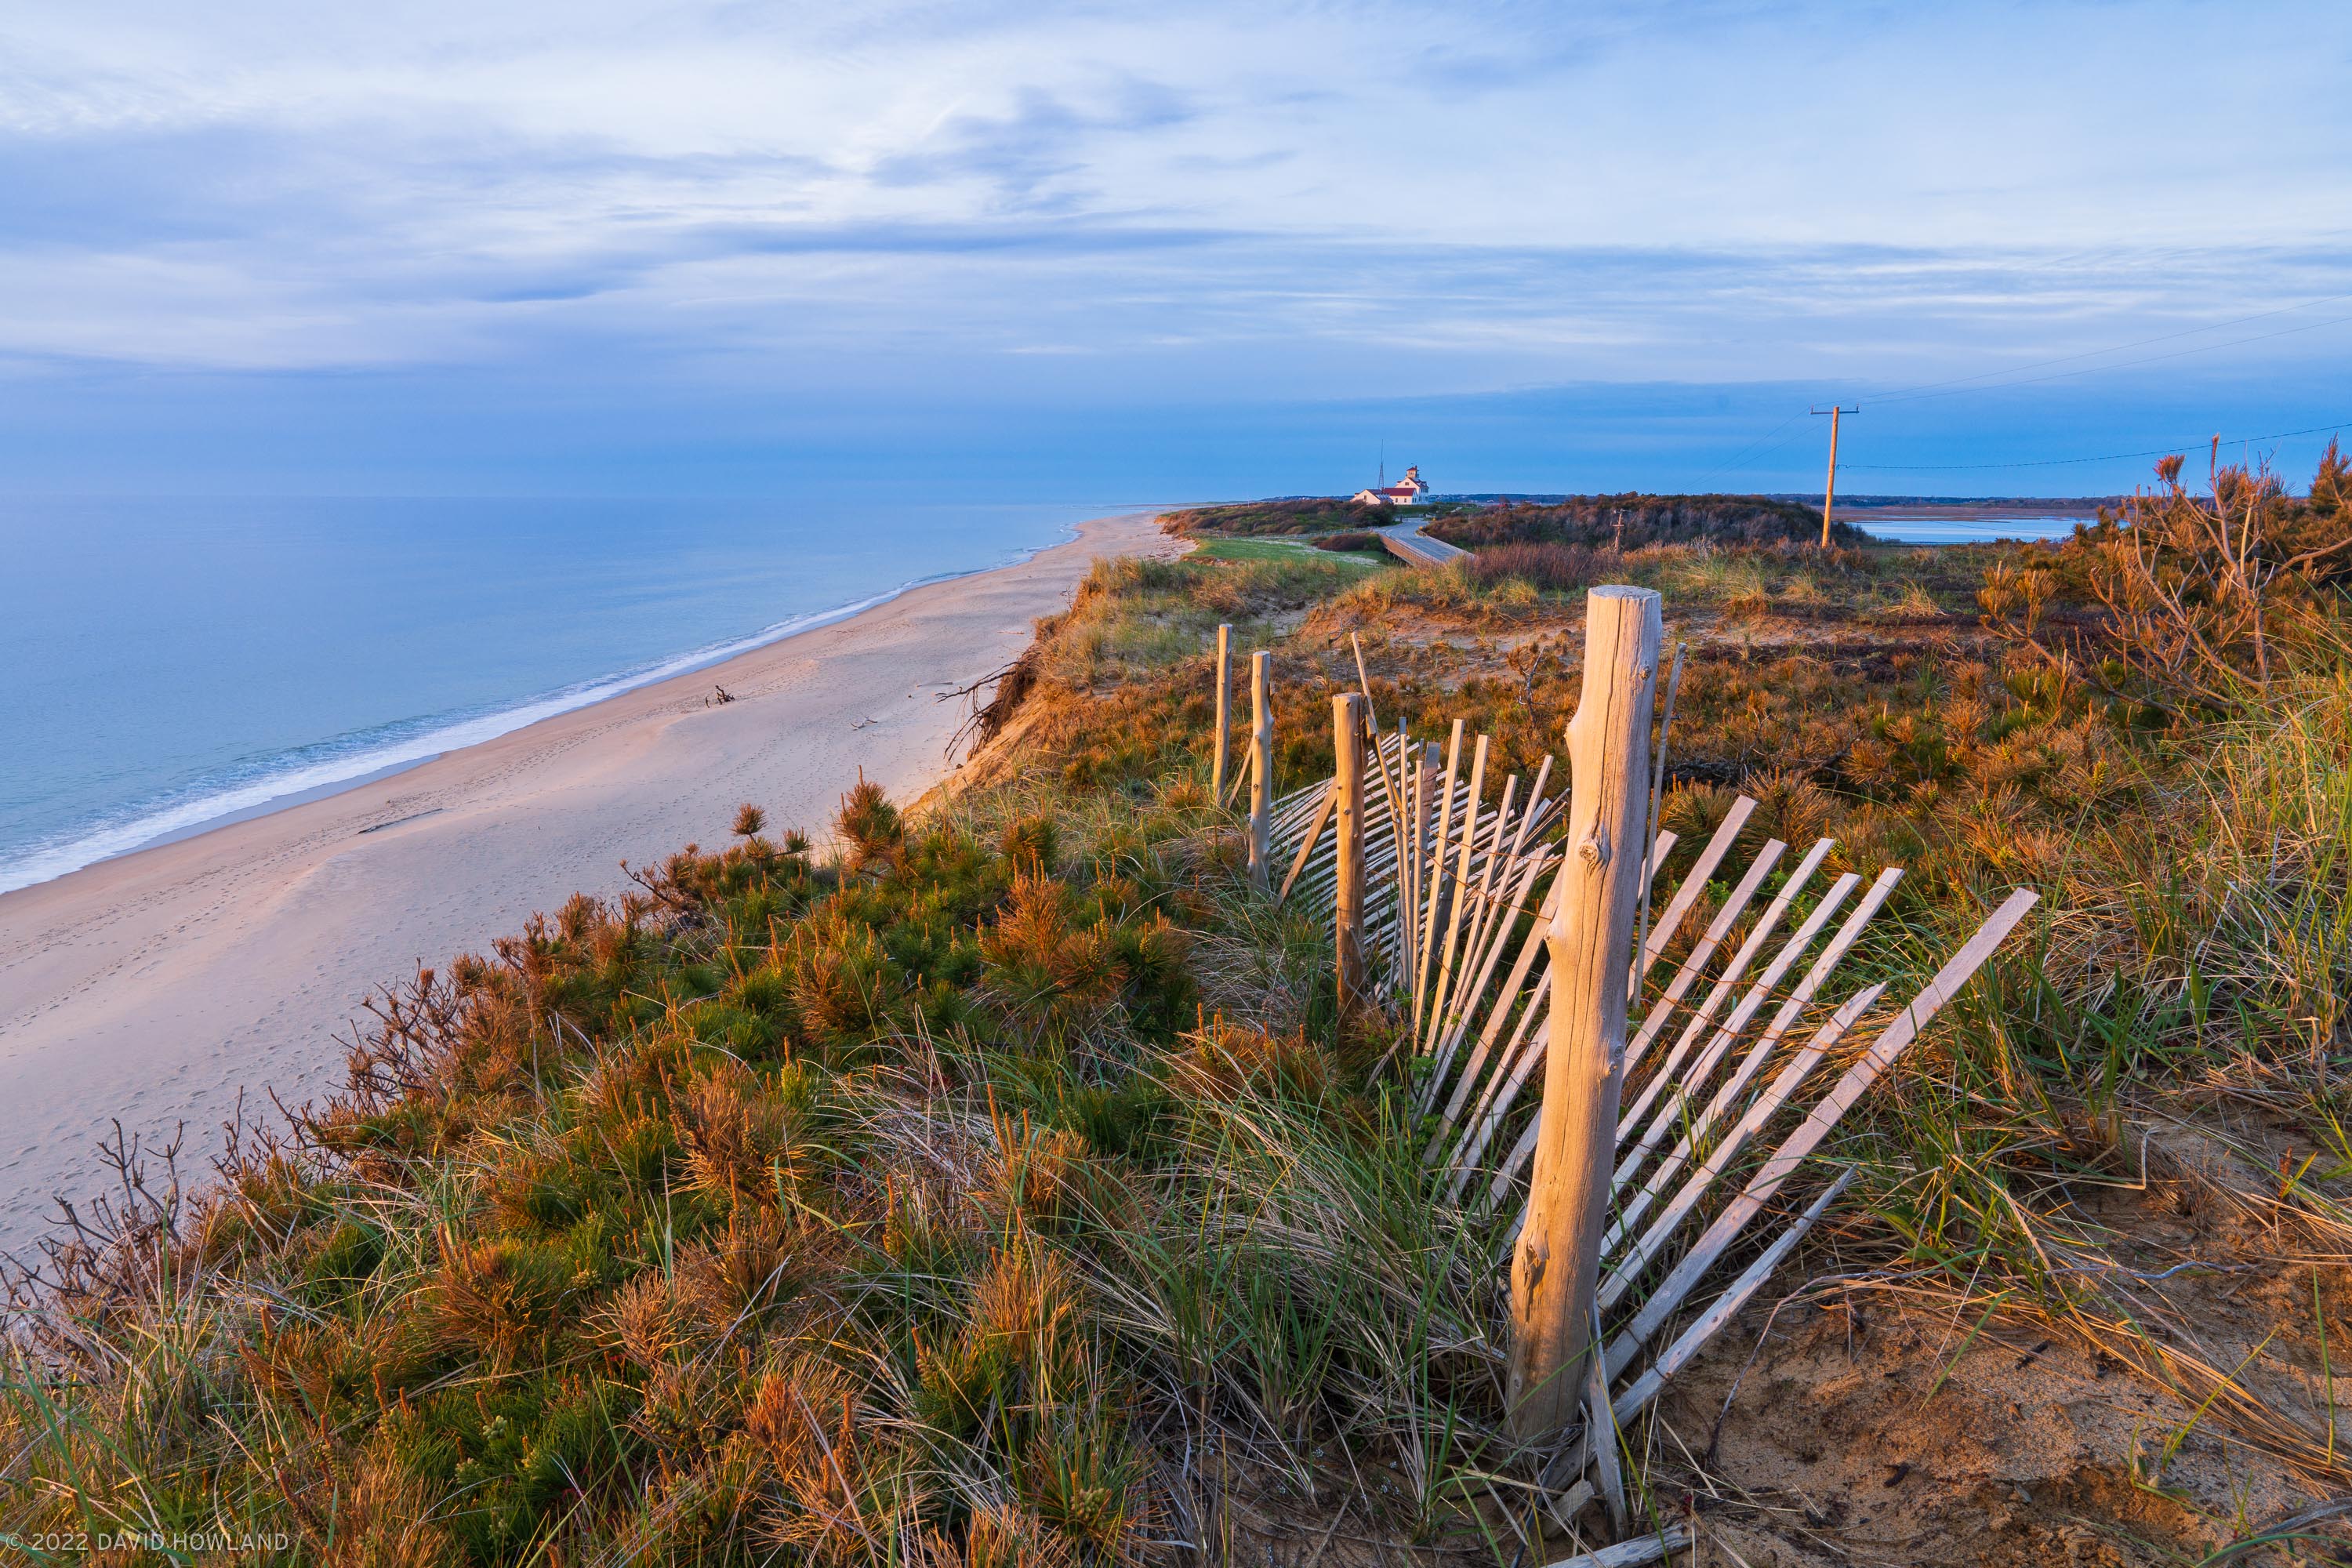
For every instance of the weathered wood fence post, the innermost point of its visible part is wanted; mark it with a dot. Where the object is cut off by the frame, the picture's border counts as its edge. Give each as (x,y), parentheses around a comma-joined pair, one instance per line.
(1348,902)
(1556,1263)
(1415,761)
(1434,875)
(1222,754)
(1261,813)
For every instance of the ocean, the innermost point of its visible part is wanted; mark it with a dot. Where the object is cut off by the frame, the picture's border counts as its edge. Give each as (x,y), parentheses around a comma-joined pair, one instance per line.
(1927,529)
(173,663)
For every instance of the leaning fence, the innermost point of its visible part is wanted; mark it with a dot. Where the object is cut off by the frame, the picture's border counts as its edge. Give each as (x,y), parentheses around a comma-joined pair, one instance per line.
(1684,1099)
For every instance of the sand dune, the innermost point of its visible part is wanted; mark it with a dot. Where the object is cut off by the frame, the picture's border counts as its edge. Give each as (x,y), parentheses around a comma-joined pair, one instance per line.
(155,987)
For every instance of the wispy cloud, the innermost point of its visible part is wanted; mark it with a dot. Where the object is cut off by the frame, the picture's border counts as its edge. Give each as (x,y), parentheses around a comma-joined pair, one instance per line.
(1035,156)
(1094,200)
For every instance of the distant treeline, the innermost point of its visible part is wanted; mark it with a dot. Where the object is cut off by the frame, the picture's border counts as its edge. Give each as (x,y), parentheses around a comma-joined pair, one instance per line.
(1596,520)
(2004,503)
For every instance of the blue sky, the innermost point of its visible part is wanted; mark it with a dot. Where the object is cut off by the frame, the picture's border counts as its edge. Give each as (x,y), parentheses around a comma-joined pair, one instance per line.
(1082,252)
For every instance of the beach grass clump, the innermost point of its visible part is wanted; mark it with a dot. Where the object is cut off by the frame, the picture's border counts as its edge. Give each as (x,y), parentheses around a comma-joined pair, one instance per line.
(1548,566)
(2184,602)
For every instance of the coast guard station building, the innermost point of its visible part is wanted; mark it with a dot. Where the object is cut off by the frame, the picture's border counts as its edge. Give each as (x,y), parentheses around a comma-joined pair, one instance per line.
(1407,492)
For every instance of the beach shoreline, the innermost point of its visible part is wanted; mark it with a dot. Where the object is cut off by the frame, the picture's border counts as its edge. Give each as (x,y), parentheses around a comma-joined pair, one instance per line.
(155,984)
(372,754)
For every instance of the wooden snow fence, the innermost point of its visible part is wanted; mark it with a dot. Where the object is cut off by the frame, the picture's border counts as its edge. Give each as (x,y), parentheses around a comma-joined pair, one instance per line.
(1741,1048)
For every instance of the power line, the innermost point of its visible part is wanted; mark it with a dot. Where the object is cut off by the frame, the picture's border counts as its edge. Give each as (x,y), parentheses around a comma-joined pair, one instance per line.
(1752,448)
(2103,457)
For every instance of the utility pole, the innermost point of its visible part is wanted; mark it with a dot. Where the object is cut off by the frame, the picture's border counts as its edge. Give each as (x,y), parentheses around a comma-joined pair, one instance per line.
(1829,495)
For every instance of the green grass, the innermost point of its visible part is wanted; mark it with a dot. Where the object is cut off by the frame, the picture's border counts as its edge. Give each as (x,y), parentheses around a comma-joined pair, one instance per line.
(1284,549)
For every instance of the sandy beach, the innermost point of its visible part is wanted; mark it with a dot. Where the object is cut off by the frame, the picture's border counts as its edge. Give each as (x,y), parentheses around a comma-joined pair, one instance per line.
(155,986)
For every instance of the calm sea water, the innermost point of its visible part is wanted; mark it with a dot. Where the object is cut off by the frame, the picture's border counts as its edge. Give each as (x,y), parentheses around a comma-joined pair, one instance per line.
(167,663)
(1966,530)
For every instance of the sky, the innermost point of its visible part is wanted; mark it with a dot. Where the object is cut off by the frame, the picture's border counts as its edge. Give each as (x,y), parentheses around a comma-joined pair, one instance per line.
(1069,252)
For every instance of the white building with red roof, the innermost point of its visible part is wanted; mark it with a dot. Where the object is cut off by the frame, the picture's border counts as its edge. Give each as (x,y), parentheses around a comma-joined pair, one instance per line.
(1408,491)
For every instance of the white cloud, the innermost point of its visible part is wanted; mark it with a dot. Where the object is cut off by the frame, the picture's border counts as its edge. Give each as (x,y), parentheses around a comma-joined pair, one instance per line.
(1503,192)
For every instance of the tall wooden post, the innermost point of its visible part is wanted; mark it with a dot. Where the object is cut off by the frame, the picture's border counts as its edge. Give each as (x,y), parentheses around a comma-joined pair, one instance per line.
(1348,902)
(1555,1266)
(1829,490)
(1219,757)
(1261,813)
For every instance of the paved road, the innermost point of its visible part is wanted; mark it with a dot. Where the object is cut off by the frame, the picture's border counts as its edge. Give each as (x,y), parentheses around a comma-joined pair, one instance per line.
(1409,544)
